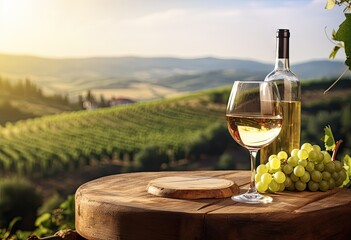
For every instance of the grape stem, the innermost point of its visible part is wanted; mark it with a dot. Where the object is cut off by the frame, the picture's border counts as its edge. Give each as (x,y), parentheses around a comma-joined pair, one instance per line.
(336,148)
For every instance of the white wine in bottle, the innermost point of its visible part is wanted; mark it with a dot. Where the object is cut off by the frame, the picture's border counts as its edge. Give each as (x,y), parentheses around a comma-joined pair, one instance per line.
(290,94)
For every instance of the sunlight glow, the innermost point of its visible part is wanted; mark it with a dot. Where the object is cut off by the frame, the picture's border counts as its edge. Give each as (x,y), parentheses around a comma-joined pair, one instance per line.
(223,28)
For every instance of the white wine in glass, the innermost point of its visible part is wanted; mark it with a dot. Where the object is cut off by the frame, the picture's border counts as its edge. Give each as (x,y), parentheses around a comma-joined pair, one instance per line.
(254,120)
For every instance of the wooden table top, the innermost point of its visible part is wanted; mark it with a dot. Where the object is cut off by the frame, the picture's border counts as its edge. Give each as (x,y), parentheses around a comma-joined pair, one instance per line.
(119,207)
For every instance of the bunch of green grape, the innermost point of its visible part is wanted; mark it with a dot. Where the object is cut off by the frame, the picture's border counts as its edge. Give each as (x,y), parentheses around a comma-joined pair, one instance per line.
(308,168)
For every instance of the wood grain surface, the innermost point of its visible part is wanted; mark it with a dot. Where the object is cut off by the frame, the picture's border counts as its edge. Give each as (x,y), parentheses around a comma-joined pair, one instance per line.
(192,187)
(119,207)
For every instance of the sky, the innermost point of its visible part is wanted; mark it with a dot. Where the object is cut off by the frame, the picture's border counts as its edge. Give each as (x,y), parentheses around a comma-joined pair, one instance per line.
(172,28)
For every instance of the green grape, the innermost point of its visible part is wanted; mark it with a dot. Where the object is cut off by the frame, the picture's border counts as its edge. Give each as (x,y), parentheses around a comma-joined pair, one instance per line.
(261,187)
(266,178)
(316,148)
(293,161)
(291,187)
(330,167)
(282,155)
(323,186)
(339,182)
(281,187)
(279,177)
(331,183)
(275,163)
(320,157)
(335,176)
(271,157)
(316,176)
(343,175)
(258,177)
(287,182)
(326,175)
(273,186)
(305,177)
(274,170)
(300,186)
(294,178)
(319,167)
(302,154)
(310,166)
(299,171)
(287,169)
(268,166)
(302,162)
(307,147)
(313,156)
(327,157)
(294,152)
(262,169)
(313,186)
(338,166)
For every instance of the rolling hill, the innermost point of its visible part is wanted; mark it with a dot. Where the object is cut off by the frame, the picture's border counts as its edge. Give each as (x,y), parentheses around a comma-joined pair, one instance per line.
(175,127)
(52,144)
(146,78)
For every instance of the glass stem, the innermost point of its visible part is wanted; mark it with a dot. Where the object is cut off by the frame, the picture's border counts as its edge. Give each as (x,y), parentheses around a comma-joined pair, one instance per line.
(252,188)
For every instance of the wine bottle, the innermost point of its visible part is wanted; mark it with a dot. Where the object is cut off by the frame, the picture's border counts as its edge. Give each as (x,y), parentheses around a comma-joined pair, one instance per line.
(290,93)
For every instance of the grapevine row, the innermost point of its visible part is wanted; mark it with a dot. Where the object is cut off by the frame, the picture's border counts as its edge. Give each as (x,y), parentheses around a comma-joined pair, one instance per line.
(51,144)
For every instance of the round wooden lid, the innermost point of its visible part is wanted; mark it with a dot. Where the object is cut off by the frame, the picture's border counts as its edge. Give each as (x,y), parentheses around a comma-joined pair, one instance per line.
(194,187)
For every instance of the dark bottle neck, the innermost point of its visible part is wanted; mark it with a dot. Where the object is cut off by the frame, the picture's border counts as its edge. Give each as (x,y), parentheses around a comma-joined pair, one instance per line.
(282,54)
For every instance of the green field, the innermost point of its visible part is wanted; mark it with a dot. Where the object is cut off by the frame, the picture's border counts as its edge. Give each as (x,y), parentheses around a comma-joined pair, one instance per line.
(51,144)
(165,130)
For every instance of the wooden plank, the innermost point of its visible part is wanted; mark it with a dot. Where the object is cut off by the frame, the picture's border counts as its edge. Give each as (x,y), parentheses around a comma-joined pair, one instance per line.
(119,207)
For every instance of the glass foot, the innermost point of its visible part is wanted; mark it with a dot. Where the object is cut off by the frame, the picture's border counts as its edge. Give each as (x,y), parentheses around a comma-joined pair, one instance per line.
(252,198)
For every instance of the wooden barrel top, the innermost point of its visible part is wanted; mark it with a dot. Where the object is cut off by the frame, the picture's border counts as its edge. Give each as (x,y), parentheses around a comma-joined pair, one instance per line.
(119,207)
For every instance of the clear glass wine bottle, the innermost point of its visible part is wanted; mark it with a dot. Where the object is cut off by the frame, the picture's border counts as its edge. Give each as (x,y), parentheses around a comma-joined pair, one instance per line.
(290,94)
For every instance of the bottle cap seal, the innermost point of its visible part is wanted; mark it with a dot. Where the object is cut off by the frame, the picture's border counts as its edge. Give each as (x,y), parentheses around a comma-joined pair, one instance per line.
(283,33)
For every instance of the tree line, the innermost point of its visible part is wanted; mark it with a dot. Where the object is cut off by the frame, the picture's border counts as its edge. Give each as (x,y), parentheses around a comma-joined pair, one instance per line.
(26,88)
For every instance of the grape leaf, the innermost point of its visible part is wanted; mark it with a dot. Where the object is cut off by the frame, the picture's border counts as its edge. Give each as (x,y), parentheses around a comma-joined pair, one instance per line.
(328,139)
(347,167)
(344,34)
(330,4)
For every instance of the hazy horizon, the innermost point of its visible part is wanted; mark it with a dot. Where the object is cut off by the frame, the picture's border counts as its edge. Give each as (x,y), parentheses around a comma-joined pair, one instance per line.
(271,61)
(154,28)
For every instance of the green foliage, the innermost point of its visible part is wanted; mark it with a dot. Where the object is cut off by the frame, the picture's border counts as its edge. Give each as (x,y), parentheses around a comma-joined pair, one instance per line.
(226,161)
(220,96)
(61,218)
(347,166)
(335,112)
(217,137)
(52,144)
(213,140)
(342,36)
(23,100)
(321,84)
(52,203)
(328,139)
(10,113)
(18,198)
(331,145)
(10,234)
(150,159)
(47,224)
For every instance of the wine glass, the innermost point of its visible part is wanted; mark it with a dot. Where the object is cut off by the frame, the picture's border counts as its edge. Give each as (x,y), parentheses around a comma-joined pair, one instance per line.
(254,120)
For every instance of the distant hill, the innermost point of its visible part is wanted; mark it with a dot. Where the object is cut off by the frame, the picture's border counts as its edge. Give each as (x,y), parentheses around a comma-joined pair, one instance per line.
(146,78)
